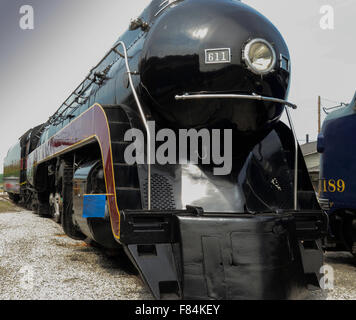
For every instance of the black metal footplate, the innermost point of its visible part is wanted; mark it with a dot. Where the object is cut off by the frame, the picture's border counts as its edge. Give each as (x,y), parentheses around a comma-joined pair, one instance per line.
(189,254)
(161,226)
(310,225)
(141,227)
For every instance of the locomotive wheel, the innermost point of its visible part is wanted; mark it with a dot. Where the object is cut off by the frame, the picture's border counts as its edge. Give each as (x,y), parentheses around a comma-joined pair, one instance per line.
(56,203)
(28,201)
(14,198)
(43,210)
(68,225)
(100,228)
(67,221)
(32,205)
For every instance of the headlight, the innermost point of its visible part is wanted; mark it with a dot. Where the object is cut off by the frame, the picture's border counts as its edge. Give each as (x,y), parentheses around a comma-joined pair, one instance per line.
(259,56)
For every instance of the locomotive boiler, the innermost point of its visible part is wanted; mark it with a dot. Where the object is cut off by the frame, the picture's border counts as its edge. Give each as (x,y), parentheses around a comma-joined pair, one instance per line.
(197,67)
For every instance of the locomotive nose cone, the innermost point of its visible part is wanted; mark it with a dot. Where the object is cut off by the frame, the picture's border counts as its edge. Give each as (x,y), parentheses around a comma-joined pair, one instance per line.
(197,46)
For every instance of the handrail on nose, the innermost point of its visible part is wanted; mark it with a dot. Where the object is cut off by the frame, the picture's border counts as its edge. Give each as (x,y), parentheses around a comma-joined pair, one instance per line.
(143,118)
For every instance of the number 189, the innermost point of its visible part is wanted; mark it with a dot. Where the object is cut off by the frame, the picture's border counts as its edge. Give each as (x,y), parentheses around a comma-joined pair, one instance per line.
(333,185)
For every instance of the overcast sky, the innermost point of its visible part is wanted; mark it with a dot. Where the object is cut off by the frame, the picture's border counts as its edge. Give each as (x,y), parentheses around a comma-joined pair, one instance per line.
(39,68)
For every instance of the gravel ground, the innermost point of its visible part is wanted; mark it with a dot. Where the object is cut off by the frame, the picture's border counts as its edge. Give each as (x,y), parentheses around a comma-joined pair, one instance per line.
(37,261)
(344,265)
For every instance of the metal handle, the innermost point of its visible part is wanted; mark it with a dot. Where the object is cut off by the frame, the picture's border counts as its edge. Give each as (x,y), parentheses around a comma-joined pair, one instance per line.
(143,117)
(188,96)
(295,161)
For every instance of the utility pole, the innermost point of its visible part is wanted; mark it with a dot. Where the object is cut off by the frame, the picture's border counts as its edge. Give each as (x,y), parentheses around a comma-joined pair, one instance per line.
(319,114)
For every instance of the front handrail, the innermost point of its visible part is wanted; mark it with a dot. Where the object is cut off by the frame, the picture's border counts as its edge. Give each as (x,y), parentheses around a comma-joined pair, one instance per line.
(188,96)
(143,118)
(295,160)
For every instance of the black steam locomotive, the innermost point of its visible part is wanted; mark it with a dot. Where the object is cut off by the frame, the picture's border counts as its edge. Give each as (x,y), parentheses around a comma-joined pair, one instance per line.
(194,232)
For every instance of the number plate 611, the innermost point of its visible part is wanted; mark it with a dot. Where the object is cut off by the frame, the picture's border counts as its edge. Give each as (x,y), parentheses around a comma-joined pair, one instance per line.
(213,56)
